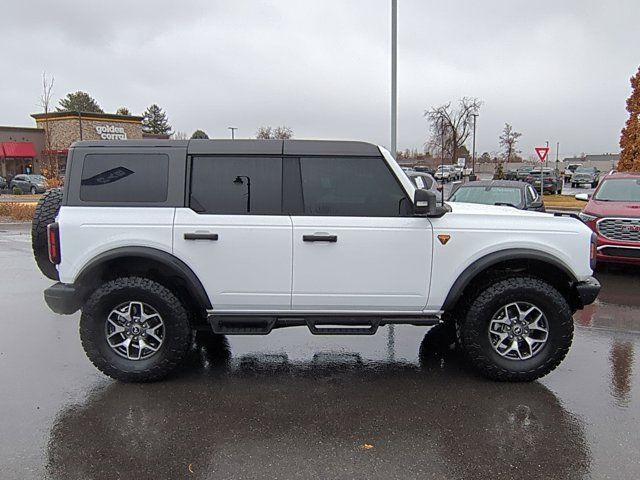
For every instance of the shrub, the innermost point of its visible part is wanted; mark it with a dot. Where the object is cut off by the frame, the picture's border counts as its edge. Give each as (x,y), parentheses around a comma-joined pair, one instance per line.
(17,211)
(17,191)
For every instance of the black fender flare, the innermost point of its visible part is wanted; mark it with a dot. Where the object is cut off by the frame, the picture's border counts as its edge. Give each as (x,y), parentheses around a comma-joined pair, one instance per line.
(174,264)
(491,259)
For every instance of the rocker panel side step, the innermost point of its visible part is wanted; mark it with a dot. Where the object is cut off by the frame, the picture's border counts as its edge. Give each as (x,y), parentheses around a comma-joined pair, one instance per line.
(343,325)
(237,325)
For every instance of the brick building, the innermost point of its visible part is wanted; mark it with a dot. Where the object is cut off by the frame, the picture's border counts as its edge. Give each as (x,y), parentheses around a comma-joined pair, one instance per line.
(25,150)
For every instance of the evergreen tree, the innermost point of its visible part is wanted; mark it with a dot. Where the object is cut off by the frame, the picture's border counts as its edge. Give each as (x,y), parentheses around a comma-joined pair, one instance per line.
(155,121)
(79,102)
(123,111)
(498,174)
(200,134)
(630,137)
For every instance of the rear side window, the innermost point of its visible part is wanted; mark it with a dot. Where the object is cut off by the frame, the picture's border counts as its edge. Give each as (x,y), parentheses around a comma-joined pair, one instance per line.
(135,178)
(357,187)
(236,185)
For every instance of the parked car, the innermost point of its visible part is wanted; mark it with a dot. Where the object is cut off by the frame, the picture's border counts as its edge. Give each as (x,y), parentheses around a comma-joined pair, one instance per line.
(552,182)
(3,183)
(345,244)
(568,172)
(425,169)
(29,183)
(445,173)
(583,175)
(510,193)
(459,171)
(523,172)
(613,213)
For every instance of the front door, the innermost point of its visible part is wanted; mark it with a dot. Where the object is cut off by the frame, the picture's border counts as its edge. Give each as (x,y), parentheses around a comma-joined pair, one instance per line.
(234,235)
(356,247)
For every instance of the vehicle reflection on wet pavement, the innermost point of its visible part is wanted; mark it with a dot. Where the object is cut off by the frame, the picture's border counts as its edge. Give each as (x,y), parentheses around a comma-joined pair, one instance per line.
(292,405)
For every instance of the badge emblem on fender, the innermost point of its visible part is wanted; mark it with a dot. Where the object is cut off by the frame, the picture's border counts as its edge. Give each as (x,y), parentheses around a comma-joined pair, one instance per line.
(444,238)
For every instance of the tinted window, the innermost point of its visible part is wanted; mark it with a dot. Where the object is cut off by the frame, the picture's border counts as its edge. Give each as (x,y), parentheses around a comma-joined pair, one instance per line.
(134,177)
(236,186)
(362,187)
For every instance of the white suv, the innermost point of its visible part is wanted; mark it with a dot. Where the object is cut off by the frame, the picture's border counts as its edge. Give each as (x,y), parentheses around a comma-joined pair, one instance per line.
(155,240)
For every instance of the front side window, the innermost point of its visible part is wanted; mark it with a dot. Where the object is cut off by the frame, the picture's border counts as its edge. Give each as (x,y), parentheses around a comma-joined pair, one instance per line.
(343,186)
(130,177)
(236,185)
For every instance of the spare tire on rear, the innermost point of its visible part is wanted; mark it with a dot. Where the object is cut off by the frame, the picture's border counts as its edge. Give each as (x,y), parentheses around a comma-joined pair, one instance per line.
(46,212)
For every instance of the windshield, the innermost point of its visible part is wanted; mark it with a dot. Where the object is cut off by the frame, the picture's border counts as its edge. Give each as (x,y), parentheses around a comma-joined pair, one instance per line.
(36,178)
(487,195)
(621,190)
(525,169)
(584,170)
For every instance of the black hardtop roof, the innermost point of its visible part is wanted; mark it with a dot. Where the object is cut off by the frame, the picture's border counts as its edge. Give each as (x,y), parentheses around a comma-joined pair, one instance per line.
(246,147)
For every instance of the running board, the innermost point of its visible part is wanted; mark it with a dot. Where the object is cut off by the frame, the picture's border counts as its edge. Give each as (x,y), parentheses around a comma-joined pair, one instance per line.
(236,324)
(343,325)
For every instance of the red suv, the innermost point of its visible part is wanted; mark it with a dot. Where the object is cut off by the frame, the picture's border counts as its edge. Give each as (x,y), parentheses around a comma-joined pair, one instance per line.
(613,213)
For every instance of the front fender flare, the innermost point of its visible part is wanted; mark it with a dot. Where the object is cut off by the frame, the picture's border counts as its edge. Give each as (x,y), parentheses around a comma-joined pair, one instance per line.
(471,272)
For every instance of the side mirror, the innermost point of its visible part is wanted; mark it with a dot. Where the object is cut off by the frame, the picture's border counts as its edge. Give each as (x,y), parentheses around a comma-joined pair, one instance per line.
(537,204)
(583,196)
(424,203)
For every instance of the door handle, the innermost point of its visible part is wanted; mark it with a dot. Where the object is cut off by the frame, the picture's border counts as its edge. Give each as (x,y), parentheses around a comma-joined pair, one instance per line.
(320,238)
(201,236)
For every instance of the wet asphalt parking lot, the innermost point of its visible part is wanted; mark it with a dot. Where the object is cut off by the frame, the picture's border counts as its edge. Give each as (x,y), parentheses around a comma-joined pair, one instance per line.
(293,405)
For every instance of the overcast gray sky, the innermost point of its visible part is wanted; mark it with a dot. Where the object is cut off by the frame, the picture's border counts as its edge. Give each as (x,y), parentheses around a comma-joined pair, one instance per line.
(555,70)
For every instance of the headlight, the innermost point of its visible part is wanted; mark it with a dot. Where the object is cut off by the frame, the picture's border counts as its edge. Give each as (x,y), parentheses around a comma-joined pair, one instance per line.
(586,217)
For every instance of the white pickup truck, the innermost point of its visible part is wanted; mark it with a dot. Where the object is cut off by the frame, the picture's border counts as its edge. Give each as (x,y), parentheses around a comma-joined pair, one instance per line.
(156,240)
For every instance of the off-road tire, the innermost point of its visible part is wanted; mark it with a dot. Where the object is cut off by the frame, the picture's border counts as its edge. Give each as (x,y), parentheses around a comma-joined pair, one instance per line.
(177,338)
(45,214)
(474,338)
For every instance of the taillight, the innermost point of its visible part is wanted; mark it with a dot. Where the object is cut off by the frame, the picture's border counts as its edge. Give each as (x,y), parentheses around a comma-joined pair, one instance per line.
(593,251)
(53,239)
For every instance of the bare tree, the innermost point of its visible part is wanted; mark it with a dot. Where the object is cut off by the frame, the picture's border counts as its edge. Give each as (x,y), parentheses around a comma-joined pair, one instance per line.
(50,167)
(280,133)
(177,135)
(509,141)
(450,128)
(264,133)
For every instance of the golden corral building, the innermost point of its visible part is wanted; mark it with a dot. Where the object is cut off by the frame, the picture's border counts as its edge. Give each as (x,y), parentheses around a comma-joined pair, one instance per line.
(23,148)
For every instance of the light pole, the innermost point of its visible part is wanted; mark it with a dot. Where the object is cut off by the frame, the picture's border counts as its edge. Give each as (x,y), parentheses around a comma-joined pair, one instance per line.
(473,155)
(233,132)
(394,75)
(546,160)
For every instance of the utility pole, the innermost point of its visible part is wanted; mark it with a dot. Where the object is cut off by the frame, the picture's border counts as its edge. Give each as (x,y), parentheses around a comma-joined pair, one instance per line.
(473,155)
(557,155)
(546,160)
(233,132)
(394,75)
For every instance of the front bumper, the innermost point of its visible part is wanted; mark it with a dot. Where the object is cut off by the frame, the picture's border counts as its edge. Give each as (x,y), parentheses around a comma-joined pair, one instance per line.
(587,291)
(62,298)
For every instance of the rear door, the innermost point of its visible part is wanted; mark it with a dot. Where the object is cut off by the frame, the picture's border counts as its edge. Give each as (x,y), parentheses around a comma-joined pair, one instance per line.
(233,233)
(356,245)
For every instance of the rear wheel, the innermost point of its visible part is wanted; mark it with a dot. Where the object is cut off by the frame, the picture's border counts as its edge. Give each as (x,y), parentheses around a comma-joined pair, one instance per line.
(518,329)
(135,330)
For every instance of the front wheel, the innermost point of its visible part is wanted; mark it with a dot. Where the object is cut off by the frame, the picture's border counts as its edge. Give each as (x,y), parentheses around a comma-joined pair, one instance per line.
(517,329)
(135,330)
(33,190)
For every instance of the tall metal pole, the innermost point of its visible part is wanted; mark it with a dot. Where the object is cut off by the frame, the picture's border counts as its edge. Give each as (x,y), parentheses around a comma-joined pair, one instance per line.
(557,155)
(546,160)
(394,75)
(233,132)
(473,155)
